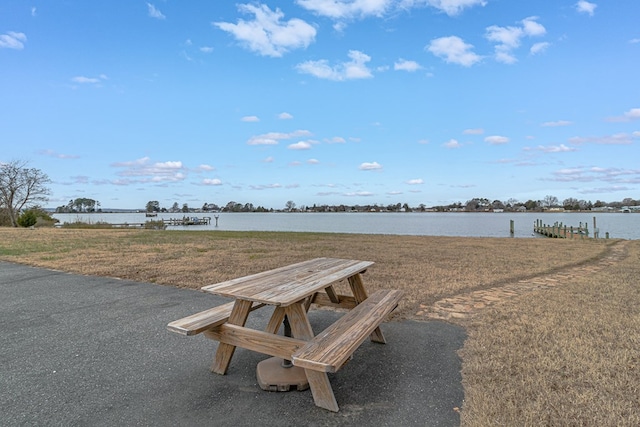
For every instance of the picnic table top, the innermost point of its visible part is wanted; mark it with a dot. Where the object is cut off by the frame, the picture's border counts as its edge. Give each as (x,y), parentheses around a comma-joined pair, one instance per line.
(286,285)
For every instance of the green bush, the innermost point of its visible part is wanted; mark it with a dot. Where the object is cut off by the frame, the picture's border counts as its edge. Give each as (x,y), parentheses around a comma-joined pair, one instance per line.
(28,219)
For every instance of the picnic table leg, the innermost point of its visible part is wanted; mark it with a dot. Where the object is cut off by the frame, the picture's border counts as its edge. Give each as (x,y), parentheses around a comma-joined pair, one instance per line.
(276,320)
(318,381)
(239,314)
(360,294)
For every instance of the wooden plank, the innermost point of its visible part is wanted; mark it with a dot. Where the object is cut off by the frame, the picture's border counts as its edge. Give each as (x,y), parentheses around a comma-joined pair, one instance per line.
(321,390)
(276,320)
(265,276)
(287,285)
(298,284)
(323,299)
(331,293)
(318,381)
(359,292)
(239,314)
(198,322)
(262,342)
(332,347)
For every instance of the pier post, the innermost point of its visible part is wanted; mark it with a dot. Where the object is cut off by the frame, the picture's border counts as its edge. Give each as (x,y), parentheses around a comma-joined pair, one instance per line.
(511,228)
(216,217)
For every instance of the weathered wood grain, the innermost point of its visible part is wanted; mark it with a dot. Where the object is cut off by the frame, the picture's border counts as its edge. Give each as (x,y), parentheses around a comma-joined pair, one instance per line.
(289,284)
(330,349)
(199,322)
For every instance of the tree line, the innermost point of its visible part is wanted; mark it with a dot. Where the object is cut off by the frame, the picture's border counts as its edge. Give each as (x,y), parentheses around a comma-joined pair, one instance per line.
(474,205)
(24,189)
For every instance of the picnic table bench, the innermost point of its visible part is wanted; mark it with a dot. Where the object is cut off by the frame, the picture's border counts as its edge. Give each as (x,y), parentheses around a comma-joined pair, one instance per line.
(291,290)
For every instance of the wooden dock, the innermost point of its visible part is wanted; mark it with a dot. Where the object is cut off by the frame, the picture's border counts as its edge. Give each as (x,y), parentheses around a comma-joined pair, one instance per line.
(561,231)
(187,220)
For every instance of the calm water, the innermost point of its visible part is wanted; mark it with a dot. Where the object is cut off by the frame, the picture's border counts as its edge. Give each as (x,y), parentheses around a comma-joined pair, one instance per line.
(619,225)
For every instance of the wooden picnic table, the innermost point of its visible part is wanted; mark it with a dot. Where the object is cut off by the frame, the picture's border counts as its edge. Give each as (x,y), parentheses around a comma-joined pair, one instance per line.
(291,290)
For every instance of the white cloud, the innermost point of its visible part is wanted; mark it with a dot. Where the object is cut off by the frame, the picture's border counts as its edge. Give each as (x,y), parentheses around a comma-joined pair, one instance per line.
(417,181)
(359,194)
(272,138)
(404,65)
(206,49)
(508,39)
(51,153)
(453,50)
(89,80)
(452,143)
(450,7)
(265,187)
(209,181)
(268,160)
(615,139)
(313,161)
(636,134)
(496,139)
(539,48)
(301,145)
(285,116)
(267,34)
(370,166)
(634,41)
(154,13)
(206,168)
(613,176)
(336,140)
(633,114)
(532,28)
(356,68)
(250,119)
(476,131)
(346,9)
(586,7)
(628,116)
(557,123)
(144,172)
(13,40)
(556,148)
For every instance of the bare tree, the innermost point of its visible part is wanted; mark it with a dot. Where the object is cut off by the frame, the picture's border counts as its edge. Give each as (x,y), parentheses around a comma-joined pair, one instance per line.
(19,186)
(290,205)
(550,201)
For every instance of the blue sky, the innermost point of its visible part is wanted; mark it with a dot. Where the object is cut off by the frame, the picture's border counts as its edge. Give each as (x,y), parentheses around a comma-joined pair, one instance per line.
(323,101)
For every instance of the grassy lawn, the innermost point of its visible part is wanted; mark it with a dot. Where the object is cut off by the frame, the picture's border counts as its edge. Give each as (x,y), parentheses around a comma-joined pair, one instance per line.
(562,356)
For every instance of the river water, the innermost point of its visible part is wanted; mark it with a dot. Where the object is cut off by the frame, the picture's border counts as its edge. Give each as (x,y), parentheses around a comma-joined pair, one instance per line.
(618,225)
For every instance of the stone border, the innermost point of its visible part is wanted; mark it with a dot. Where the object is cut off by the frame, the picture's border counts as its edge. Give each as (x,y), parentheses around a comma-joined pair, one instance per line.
(462,307)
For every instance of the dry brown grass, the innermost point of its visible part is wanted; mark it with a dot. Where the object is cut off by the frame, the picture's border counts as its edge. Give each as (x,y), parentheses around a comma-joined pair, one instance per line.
(426,268)
(568,356)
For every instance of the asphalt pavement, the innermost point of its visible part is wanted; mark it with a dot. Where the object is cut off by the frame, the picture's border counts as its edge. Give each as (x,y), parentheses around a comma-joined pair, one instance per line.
(83,350)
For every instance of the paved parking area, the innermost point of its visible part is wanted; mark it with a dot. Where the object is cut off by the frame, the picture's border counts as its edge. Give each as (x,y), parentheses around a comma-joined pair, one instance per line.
(85,350)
